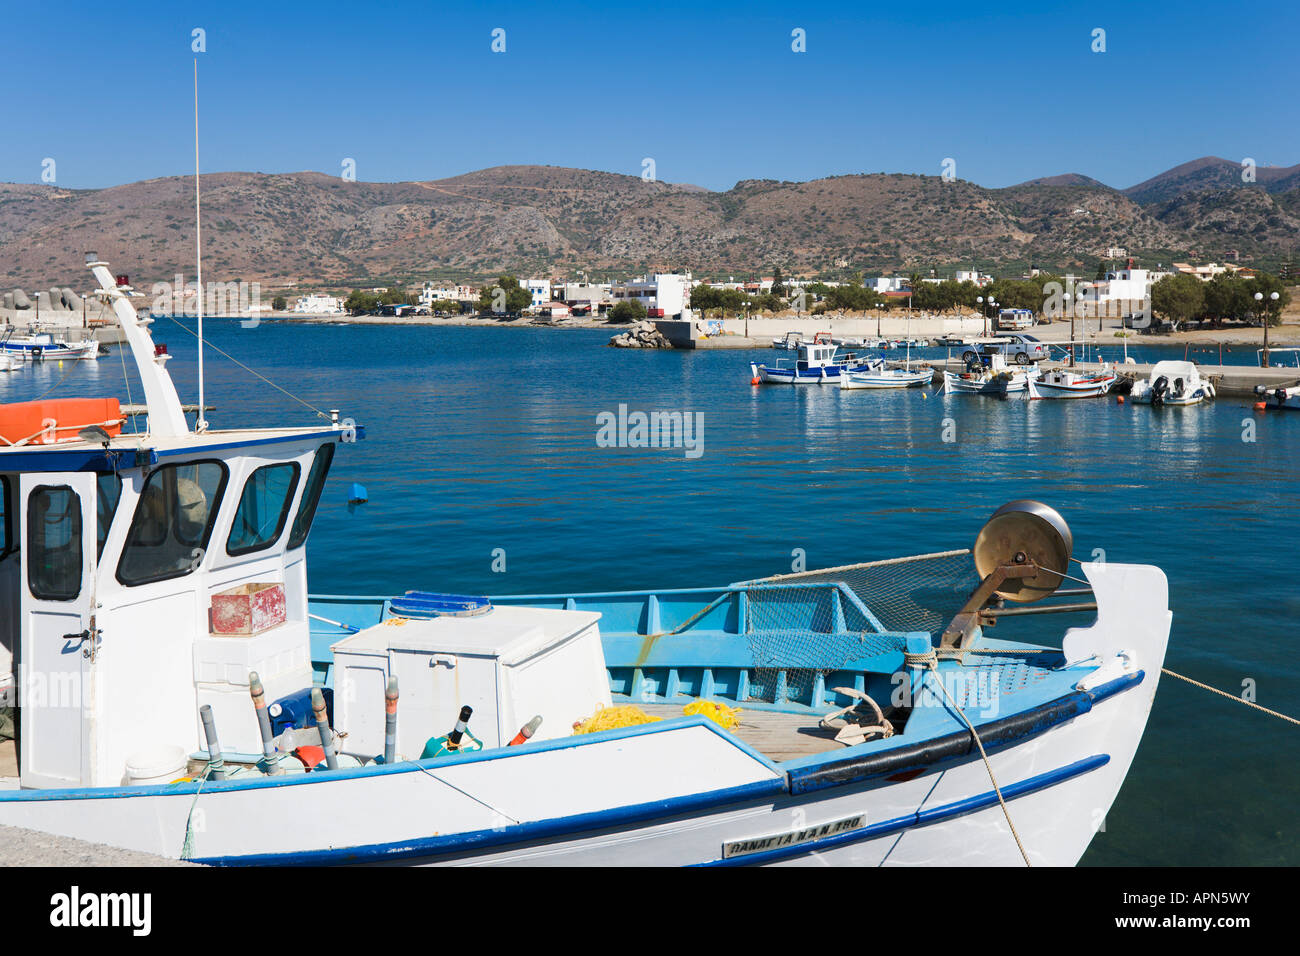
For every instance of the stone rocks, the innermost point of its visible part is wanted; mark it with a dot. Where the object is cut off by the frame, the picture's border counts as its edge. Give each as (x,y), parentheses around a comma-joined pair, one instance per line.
(643,335)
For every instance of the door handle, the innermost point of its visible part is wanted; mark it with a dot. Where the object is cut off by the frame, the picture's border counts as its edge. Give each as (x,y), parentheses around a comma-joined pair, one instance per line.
(79,638)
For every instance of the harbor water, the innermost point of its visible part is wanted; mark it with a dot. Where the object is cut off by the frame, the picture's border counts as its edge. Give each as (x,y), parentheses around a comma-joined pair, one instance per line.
(486,473)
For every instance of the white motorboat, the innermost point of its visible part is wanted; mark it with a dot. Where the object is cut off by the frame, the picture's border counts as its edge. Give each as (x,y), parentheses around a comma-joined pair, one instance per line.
(1280,396)
(1173,382)
(1068,383)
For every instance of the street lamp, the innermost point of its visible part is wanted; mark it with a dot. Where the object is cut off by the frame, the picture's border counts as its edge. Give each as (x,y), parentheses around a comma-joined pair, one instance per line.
(1067,297)
(1259,297)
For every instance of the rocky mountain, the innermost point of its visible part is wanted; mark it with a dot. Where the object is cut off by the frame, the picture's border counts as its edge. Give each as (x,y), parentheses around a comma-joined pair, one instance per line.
(309,230)
(1211,172)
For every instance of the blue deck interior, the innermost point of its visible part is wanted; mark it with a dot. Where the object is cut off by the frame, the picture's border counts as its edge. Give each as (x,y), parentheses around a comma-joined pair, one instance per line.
(674,646)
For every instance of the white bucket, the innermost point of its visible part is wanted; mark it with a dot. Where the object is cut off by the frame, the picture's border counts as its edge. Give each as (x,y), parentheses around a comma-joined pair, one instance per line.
(161,764)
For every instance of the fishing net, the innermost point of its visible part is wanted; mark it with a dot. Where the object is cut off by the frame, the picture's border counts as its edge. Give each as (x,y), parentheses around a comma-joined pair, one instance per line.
(816,622)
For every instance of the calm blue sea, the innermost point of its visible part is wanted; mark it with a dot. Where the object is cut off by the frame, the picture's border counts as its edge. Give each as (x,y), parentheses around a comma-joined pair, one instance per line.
(485,439)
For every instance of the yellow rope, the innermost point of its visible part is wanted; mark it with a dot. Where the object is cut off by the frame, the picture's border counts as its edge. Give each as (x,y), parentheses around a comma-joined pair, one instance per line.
(1221,693)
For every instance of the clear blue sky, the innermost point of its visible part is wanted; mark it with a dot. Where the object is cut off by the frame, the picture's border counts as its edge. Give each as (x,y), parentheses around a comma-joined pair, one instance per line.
(411,90)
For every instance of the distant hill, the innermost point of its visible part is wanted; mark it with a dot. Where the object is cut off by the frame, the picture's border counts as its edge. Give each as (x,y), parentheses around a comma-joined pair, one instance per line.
(1211,172)
(311,230)
(1066,179)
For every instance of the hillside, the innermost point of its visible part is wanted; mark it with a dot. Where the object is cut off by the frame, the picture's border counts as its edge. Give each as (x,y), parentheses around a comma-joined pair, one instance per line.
(312,230)
(1210,172)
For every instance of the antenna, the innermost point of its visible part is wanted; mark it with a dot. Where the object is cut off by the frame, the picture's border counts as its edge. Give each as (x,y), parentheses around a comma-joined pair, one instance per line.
(200,423)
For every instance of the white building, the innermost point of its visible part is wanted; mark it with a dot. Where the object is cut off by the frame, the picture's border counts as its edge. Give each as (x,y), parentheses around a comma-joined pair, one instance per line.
(890,284)
(431,293)
(539,289)
(666,291)
(315,304)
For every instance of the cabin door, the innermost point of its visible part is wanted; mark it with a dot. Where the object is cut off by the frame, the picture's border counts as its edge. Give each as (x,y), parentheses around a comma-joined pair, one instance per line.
(57,643)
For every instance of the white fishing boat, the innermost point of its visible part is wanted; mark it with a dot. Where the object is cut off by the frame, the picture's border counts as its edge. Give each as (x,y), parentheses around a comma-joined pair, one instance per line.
(790,341)
(989,375)
(817,364)
(38,345)
(9,363)
(883,377)
(181,694)
(1173,382)
(1068,383)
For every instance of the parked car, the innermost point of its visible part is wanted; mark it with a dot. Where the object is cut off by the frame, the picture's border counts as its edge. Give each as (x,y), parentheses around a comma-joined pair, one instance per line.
(1016,346)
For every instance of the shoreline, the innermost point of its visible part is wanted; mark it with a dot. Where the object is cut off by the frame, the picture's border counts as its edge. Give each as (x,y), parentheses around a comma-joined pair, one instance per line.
(892,326)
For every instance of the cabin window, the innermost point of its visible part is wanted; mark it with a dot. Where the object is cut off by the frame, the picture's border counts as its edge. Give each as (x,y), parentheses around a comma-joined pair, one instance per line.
(172,522)
(54,543)
(263,508)
(320,467)
(108,493)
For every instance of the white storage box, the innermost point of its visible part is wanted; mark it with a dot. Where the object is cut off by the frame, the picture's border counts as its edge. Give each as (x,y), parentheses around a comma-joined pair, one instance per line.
(282,658)
(509,664)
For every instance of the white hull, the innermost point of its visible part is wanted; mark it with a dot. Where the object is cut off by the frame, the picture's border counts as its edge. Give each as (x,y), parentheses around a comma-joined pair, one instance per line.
(1083,388)
(678,793)
(1007,383)
(886,378)
(76,351)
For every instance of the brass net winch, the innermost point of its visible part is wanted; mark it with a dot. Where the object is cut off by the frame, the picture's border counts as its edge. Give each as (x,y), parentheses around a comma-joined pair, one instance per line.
(1021,555)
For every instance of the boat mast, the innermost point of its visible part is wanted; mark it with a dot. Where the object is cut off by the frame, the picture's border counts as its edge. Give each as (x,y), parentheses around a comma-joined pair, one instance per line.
(200,423)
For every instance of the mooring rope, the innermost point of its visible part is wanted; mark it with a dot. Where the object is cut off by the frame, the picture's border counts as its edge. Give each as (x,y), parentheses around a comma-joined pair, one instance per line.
(930,661)
(1224,693)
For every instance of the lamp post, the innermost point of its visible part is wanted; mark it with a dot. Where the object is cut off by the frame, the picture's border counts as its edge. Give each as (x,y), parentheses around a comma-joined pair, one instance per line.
(1259,297)
(979,300)
(1067,297)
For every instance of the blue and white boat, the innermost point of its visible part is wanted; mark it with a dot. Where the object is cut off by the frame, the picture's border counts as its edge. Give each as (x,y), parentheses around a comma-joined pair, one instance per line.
(38,345)
(818,363)
(182,694)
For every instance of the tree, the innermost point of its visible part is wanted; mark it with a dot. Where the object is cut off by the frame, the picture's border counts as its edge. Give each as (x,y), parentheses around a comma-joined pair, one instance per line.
(279,303)
(1178,298)
(629,310)
(1226,297)
(506,295)
(1269,308)
(360,302)
(705,297)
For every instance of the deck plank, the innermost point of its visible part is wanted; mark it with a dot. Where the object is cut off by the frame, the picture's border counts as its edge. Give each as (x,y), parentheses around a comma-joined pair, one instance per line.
(775,735)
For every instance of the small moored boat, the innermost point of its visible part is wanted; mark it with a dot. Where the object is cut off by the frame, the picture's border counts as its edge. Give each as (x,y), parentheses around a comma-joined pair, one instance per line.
(989,375)
(39,345)
(1067,383)
(1173,382)
(819,363)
